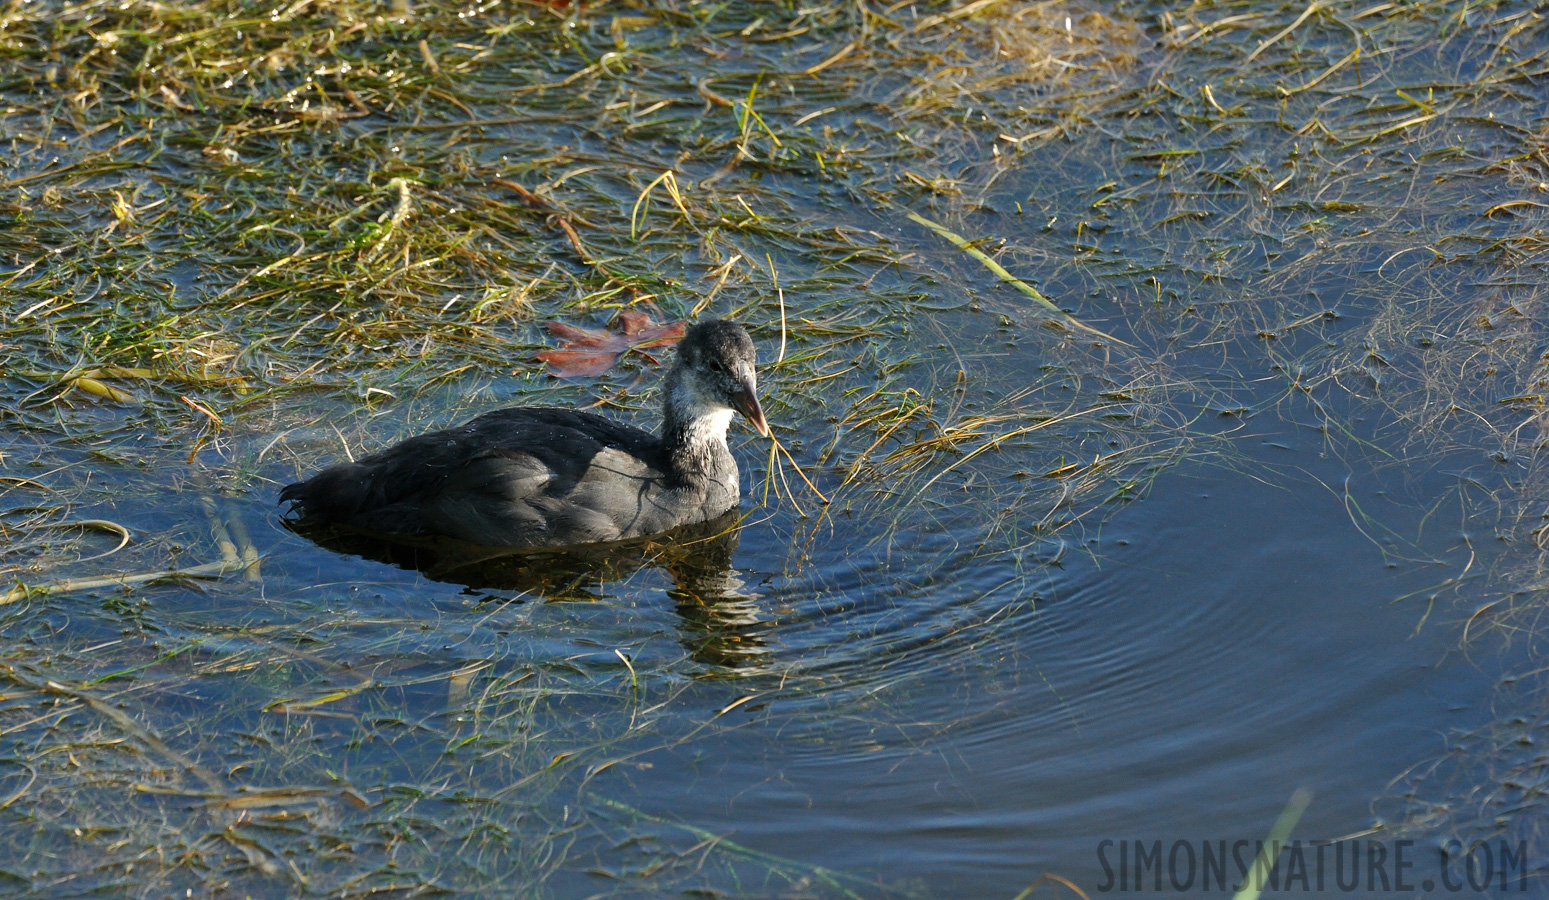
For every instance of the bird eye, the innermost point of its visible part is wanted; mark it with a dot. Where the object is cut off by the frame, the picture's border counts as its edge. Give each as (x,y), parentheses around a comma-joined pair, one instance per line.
(716,366)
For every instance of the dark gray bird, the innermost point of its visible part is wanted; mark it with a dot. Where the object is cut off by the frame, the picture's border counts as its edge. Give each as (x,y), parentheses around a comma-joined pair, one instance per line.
(549,477)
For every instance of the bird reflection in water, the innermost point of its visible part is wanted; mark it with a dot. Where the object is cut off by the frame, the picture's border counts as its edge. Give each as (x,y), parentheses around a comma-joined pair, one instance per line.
(722,623)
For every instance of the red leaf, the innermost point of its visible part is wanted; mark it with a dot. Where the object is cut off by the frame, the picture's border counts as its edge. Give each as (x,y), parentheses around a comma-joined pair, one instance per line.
(634,321)
(585,353)
(579,363)
(573,336)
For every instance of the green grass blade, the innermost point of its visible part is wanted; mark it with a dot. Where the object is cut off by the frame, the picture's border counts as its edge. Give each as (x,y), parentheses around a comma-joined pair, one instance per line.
(1000,271)
(1253,885)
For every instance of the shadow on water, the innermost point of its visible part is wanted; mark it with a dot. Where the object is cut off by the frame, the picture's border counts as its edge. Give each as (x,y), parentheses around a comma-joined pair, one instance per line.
(722,625)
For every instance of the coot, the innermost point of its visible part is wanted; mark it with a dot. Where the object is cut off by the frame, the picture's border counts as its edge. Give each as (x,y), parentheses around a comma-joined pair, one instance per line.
(549,477)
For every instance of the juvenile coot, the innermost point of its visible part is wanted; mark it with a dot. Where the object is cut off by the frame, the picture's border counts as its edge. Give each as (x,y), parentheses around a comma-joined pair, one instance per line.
(548,477)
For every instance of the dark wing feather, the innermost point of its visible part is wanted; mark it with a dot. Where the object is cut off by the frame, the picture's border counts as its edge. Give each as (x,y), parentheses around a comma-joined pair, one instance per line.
(499,479)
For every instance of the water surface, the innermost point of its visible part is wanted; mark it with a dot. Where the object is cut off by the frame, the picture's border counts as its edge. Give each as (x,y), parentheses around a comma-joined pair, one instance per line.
(1276,527)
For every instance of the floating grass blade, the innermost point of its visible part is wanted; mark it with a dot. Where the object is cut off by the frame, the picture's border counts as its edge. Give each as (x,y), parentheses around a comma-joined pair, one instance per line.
(1253,885)
(968,248)
(1052,879)
(72,585)
(642,205)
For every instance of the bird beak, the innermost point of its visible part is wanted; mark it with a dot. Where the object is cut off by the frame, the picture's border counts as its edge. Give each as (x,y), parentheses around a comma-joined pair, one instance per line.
(746,401)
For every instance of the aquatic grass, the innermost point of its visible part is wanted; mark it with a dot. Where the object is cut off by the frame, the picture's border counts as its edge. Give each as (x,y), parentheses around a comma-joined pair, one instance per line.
(243,240)
(1052,879)
(1280,832)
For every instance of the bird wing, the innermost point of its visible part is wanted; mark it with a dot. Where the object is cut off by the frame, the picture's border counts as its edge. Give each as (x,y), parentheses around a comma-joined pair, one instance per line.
(514,477)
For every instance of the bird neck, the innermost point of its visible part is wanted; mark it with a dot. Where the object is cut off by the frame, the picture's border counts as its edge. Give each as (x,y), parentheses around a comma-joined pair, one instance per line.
(694,427)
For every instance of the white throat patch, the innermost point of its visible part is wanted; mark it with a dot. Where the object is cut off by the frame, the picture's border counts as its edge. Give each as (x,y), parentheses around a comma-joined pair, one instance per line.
(704,420)
(710,426)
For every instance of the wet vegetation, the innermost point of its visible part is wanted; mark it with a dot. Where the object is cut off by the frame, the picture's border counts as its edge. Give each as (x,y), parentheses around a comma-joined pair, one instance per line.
(244,239)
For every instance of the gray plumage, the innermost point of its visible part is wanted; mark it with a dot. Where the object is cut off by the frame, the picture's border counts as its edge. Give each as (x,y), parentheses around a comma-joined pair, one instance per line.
(549,477)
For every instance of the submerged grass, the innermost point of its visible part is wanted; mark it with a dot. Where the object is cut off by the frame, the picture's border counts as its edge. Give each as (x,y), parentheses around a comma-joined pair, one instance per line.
(243,238)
